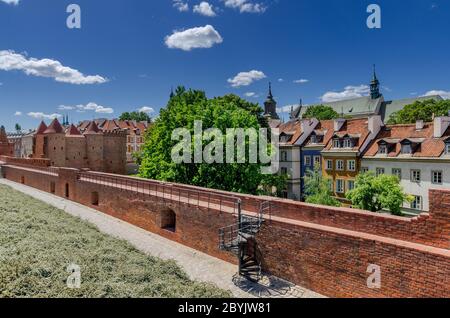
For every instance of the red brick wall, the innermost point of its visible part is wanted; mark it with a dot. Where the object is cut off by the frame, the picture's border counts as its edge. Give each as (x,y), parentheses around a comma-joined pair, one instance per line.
(325,249)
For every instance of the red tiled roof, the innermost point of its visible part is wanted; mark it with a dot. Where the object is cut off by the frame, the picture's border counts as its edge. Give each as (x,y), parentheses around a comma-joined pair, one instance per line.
(429,146)
(54,128)
(354,127)
(292,128)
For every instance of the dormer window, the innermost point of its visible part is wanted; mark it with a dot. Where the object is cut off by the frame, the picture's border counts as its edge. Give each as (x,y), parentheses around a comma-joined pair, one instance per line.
(383,149)
(407,149)
(336,143)
(314,139)
(447,148)
(348,143)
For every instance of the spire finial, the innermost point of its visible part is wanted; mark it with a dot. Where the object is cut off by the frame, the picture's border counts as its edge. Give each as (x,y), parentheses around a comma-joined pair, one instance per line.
(374,73)
(270,90)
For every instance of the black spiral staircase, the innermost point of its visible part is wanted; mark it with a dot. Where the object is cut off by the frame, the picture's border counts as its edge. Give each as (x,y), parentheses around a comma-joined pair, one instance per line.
(239,239)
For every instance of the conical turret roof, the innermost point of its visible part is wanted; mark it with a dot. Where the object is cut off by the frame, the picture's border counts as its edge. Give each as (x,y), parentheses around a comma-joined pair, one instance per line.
(54,128)
(41,129)
(73,131)
(92,129)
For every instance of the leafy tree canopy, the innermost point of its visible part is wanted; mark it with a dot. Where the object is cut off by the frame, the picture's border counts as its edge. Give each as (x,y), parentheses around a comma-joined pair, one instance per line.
(137,116)
(321,112)
(317,189)
(420,110)
(185,107)
(18,128)
(378,193)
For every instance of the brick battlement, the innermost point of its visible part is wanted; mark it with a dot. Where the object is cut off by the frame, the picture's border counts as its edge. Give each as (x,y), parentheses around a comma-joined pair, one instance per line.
(324,249)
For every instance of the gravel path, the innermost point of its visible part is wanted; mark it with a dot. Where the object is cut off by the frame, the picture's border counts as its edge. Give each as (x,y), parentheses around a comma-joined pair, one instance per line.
(197,265)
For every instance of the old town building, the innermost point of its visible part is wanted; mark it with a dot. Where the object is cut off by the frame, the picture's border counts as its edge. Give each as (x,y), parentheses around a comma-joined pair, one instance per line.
(418,154)
(6,147)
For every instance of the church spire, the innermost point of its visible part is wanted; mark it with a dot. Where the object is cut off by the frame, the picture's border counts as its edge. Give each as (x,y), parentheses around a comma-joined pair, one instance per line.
(270,105)
(375,85)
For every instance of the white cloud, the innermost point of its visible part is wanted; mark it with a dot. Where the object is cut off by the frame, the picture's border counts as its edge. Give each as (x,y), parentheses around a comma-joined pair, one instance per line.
(180,5)
(301,81)
(348,93)
(18,113)
(88,107)
(286,109)
(280,80)
(40,115)
(443,94)
(246,78)
(195,38)
(146,109)
(204,8)
(10,61)
(251,94)
(14,2)
(245,6)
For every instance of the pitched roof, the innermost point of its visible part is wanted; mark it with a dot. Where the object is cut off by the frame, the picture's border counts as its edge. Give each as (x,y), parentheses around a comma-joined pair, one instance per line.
(325,129)
(292,129)
(390,107)
(356,128)
(41,129)
(355,107)
(73,131)
(54,128)
(92,128)
(428,146)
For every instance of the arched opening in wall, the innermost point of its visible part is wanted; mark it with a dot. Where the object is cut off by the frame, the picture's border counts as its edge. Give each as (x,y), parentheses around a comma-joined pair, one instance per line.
(67,194)
(168,220)
(52,187)
(22,179)
(94,198)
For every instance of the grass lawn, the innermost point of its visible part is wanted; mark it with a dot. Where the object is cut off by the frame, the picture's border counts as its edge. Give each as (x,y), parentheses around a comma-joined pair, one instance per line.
(38,242)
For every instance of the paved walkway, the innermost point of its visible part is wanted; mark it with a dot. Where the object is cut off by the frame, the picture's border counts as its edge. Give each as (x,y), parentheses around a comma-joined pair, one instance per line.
(198,266)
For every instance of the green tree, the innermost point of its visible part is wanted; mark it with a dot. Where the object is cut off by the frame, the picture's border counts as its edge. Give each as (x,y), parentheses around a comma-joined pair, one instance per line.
(420,110)
(375,194)
(317,189)
(137,116)
(185,107)
(18,128)
(321,112)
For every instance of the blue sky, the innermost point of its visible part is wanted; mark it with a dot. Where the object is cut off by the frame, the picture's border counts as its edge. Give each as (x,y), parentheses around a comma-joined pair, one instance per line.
(128,54)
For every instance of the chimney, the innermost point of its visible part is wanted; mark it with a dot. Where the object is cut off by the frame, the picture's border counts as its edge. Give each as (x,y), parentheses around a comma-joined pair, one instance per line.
(338,123)
(419,125)
(440,126)
(374,124)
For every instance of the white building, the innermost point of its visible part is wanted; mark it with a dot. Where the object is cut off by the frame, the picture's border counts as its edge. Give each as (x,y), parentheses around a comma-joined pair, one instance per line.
(419,154)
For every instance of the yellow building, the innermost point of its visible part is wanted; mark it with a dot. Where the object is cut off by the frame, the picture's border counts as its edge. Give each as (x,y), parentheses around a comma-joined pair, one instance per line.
(341,158)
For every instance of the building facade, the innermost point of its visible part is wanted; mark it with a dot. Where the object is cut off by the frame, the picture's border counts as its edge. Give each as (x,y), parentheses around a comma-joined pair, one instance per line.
(92,149)
(418,154)
(341,157)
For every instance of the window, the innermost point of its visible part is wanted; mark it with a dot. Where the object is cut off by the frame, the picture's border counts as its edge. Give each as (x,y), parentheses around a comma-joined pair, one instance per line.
(447,148)
(340,165)
(364,169)
(417,203)
(284,156)
(307,160)
(436,177)
(317,160)
(314,139)
(284,171)
(340,186)
(406,149)
(94,198)
(330,185)
(329,164)
(397,172)
(350,185)
(351,165)
(348,143)
(336,143)
(380,171)
(416,176)
(383,149)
